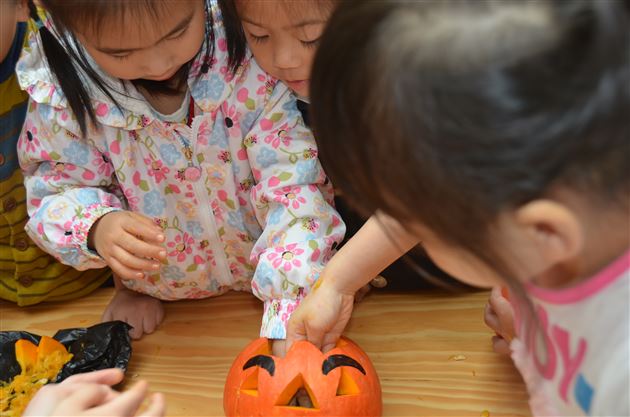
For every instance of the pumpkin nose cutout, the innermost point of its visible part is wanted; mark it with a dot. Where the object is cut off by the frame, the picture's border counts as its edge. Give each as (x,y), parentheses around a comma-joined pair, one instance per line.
(295,395)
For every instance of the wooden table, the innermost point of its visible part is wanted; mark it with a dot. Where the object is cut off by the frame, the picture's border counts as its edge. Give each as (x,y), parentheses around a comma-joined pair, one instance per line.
(431,350)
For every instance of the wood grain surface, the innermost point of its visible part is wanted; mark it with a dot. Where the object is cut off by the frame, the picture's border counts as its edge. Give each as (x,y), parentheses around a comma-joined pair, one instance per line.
(431,350)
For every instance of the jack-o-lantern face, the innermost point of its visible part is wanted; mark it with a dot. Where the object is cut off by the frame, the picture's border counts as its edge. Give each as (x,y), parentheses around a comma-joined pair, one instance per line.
(341,382)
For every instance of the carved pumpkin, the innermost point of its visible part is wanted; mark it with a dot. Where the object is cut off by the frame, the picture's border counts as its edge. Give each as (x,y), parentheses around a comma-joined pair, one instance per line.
(341,382)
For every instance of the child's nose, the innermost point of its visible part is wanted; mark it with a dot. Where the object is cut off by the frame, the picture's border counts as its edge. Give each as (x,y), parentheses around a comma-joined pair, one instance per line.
(158,64)
(286,58)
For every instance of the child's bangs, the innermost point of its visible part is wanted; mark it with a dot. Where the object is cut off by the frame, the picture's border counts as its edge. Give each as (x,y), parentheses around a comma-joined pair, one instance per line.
(110,15)
(296,10)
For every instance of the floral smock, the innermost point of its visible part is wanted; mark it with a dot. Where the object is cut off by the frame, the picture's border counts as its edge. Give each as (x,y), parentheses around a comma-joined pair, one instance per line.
(240,194)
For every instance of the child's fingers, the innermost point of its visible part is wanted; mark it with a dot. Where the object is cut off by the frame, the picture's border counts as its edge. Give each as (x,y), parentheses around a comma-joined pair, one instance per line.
(111,376)
(497,296)
(134,260)
(124,272)
(126,404)
(151,321)
(157,407)
(84,397)
(500,345)
(330,341)
(505,292)
(136,330)
(146,231)
(504,312)
(295,331)
(314,335)
(490,318)
(278,347)
(145,220)
(140,248)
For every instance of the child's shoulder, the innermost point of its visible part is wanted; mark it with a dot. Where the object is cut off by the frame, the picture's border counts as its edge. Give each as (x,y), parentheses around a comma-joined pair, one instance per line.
(36,78)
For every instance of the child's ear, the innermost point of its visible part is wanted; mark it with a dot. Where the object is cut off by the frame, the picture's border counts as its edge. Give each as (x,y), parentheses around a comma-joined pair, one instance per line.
(23,12)
(554,228)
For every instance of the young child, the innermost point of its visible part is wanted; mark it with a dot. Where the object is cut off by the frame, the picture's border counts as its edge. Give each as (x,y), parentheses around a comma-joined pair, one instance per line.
(510,120)
(145,152)
(283,37)
(27,274)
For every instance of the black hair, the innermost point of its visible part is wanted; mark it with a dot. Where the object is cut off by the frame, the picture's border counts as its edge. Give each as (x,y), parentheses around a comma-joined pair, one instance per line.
(234,35)
(67,59)
(448,112)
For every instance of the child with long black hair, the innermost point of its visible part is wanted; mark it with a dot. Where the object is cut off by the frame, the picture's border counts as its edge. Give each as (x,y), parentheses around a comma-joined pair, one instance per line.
(498,134)
(283,37)
(144,150)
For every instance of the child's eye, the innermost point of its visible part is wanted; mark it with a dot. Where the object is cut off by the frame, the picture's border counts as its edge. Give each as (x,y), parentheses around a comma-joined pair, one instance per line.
(179,34)
(311,44)
(259,39)
(121,57)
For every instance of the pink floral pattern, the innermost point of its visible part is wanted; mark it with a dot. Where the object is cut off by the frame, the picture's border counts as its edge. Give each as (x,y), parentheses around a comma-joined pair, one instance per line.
(286,257)
(244,222)
(289,197)
(157,169)
(279,136)
(32,143)
(181,246)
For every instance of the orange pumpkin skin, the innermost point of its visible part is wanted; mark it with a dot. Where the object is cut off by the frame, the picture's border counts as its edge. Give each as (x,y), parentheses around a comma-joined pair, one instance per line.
(343,391)
(26,355)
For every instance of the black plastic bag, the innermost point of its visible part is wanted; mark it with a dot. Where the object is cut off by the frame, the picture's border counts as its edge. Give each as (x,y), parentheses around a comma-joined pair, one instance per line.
(105,345)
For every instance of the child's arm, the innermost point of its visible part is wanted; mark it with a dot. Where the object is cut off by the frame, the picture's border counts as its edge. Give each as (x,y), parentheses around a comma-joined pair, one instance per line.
(293,201)
(323,315)
(65,180)
(69,183)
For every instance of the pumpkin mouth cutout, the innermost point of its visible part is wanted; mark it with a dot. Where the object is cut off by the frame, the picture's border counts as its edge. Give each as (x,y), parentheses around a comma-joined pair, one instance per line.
(297,387)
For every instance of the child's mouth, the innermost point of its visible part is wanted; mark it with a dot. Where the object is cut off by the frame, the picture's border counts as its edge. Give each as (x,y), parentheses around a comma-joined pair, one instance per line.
(296,84)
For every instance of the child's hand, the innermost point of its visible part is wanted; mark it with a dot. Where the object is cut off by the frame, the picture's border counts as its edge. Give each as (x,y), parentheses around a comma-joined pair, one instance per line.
(321,317)
(91,394)
(129,242)
(499,316)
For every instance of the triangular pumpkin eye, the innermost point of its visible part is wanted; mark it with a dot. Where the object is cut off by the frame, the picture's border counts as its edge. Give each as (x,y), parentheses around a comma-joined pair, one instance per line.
(250,386)
(347,386)
(292,388)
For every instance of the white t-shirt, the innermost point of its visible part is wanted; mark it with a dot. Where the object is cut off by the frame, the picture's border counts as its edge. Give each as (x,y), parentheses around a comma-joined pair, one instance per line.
(576,360)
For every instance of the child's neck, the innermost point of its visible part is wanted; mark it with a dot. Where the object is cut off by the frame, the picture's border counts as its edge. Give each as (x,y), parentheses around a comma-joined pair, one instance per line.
(164,103)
